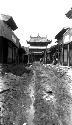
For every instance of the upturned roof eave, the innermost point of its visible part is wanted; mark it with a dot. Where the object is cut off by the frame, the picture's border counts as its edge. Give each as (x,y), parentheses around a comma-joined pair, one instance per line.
(9,21)
(38,43)
(60,34)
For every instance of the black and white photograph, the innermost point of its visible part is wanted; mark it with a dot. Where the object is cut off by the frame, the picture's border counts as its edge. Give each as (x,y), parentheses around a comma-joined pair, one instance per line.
(36,62)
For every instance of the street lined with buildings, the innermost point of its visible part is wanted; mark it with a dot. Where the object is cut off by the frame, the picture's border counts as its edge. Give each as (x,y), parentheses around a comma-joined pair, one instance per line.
(35,81)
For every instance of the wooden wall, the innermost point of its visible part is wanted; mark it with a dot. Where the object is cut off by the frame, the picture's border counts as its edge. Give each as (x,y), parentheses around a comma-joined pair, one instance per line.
(8,51)
(66,56)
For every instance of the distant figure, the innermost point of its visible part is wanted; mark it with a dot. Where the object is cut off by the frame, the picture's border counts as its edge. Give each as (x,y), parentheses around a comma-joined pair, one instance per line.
(55,60)
(41,60)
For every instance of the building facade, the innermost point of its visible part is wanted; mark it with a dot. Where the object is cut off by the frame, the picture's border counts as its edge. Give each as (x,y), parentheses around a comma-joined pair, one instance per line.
(53,54)
(64,39)
(9,43)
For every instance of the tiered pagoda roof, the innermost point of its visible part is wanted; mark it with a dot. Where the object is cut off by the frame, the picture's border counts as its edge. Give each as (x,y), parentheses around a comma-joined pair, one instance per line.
(38,41)
(37,49)
(38,44)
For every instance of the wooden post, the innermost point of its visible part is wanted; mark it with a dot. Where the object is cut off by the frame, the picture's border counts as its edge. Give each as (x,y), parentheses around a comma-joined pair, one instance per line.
(28,55)
(45,54)
(62,53)
(28,58)
(12,54)
(58,54)
(68,54)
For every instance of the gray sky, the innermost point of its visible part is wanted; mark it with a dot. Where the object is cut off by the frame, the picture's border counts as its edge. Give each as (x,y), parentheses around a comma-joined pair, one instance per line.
(46,17)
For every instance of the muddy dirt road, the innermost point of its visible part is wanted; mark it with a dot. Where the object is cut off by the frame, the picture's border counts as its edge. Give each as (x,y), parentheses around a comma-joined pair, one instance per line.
(41,97)
(52,93)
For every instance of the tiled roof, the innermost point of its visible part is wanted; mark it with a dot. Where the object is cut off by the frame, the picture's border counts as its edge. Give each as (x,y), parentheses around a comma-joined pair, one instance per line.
(38,39)
(9,21)
(7,33)
(60,34)
(69,14)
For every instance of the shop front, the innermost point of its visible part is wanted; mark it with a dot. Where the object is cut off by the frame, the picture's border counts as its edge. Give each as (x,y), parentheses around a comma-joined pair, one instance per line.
(9,43)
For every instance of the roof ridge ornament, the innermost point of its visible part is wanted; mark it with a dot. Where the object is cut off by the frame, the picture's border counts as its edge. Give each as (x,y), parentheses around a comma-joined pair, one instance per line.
(46,36)
(38,35)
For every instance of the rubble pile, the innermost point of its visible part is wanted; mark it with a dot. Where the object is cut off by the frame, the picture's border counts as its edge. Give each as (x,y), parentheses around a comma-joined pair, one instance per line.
(15,69)
(14,95)
(53,100)
(39,95)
